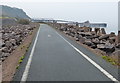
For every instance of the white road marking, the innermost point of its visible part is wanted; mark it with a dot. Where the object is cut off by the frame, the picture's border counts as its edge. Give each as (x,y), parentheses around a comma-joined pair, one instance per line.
(92,62)
(49,35)
(26,71)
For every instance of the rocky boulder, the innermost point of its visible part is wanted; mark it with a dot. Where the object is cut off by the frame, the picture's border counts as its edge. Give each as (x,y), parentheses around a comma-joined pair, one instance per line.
(8,44)
(118,46)
(82,40)
(82,34)
(77,37)
(96,41)
(13,42)
(118,37)
(4,49)
(0,52)
(97,31)
(112,40)
(93,46)
(112,34)
(101,46)
(103,31)
(104,37)
(88,42)
(108,48)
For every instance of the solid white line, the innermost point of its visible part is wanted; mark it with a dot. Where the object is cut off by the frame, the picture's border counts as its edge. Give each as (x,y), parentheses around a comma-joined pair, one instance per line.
(26,71)
(92,62)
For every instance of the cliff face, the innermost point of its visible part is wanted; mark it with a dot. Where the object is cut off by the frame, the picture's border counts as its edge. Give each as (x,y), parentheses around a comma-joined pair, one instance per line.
(13,12)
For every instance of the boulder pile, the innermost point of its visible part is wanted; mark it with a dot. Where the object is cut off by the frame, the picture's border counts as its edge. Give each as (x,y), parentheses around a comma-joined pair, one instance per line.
(96,39)
(12,36)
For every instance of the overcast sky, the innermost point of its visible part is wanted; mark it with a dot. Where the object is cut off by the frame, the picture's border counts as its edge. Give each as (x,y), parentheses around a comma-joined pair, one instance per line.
(76,10)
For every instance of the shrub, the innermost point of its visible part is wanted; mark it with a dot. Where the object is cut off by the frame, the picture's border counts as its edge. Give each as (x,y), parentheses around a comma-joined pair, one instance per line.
(23,21)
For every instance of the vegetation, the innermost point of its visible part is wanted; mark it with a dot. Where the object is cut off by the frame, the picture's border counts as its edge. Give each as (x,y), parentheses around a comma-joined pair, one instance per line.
(23,21)
(20,61)
(22,57)
(111,60)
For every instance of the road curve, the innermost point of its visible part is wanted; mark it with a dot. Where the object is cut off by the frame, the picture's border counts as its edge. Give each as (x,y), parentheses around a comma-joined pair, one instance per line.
(55,60)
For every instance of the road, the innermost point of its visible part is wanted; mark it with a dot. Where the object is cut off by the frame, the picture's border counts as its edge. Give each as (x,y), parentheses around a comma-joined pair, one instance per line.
(57,58)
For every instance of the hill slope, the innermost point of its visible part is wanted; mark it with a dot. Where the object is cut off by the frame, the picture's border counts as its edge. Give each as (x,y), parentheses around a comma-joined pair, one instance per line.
(13,12)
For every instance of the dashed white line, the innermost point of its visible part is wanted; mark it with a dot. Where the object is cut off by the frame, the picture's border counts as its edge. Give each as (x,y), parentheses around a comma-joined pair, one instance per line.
(92,62)
(49,35)
(26,71)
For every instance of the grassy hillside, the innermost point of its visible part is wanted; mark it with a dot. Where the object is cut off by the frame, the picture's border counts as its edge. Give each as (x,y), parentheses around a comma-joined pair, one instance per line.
(11,12)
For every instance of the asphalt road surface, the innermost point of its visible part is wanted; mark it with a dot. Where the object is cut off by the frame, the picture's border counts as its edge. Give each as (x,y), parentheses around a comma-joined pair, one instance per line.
(57,58)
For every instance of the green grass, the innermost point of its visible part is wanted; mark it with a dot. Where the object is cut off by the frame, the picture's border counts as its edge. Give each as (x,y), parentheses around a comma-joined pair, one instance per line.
(22,57)
(108,59)
(113,63)
(20,61)
(104,57)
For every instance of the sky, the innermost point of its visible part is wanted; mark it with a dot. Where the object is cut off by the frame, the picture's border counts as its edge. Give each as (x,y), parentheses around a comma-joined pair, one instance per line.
(75,10)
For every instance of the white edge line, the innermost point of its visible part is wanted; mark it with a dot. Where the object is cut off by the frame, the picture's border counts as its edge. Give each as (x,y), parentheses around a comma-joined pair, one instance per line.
(26,71)
(92,62)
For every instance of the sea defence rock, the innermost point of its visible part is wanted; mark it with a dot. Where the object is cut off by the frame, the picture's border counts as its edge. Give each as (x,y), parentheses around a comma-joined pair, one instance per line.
(97,39)
(103,31)
(97,31)
(0,53)
(86,29)
(112,34)
(82,40)
(108,48)
(88,42)
(12,36)
(112,40)
(118,46)
(104,37)
(101,46)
